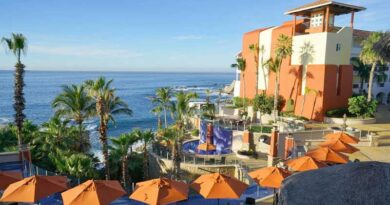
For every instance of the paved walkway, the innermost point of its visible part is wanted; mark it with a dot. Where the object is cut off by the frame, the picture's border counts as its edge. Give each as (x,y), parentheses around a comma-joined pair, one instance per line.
(381,154)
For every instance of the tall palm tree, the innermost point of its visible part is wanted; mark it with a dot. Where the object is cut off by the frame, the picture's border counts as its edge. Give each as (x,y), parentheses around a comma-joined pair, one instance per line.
(163,98)
(121,147)
(75,104)
(241,66)
(273,65)
(282,51)
(254,48)
(362,70)
(370,56)
(107,105)
(157,111)
(147,137)
(181,111)
(382,47)
(17,44)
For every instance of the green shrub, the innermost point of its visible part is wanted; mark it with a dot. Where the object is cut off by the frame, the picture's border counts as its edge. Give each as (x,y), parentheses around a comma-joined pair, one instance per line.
(361,108)
(195,132)
(291,114)
(338,112)
(238,102)
(261,129)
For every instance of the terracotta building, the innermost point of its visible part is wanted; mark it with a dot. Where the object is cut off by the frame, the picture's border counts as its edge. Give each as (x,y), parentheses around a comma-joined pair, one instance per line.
(320,61)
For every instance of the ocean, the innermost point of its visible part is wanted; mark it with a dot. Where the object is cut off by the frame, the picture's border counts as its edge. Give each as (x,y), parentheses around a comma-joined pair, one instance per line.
(133,87)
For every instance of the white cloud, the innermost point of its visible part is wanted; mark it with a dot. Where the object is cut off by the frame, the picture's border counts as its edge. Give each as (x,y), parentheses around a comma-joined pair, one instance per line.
(83,51)
(188,37)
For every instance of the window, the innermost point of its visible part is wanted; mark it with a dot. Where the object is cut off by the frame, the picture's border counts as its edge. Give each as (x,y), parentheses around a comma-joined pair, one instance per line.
(355,85)
(316,20)
(331,20)
(338,47)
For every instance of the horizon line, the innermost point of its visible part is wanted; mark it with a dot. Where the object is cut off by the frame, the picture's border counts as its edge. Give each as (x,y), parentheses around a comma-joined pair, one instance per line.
(123,71)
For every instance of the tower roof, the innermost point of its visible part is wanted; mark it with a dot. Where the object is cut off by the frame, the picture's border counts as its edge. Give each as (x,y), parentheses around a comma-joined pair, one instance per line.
(337,8)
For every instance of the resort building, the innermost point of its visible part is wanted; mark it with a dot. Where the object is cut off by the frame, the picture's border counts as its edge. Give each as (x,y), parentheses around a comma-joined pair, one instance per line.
(320,61)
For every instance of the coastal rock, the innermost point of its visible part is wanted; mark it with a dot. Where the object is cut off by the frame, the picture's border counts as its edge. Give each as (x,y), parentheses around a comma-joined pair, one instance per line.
(353,183)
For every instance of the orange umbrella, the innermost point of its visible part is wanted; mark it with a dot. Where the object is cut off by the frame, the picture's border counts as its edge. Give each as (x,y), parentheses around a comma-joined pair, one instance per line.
(207,147)
(339,146)
(218,186)
(346,138)
(326,154)
(271,177)
(160,191)
(98,192)
(304,163)
(9,177)
(33,189)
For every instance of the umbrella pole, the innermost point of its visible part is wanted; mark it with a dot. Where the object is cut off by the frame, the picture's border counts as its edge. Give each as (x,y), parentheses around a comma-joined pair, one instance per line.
(274,201)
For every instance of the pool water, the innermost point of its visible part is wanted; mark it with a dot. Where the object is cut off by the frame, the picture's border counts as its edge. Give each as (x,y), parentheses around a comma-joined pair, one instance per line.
(190,147)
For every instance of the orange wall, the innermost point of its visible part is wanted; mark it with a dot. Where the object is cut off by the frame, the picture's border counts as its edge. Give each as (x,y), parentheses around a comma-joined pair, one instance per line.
(250,70)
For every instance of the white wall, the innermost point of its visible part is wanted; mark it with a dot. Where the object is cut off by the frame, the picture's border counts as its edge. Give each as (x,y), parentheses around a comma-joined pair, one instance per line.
(320,48)
(265,41)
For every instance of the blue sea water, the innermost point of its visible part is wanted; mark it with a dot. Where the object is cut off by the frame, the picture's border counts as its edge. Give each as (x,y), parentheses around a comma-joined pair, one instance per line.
(133,87)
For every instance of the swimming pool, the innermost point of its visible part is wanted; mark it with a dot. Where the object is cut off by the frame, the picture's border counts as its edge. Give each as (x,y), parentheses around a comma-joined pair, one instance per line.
(190,147)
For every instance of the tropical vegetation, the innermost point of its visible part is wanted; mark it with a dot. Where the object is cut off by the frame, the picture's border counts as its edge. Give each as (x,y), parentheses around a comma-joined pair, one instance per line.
(362,108)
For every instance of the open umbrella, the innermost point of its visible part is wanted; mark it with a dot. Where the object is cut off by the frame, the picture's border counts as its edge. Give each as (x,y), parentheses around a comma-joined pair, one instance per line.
(304,163)
(270,177)
(344,137)
(9,177)
(33,189)
(339,146)
(99,192)
(326,154)
(207,147)
(218,186)
(160,191)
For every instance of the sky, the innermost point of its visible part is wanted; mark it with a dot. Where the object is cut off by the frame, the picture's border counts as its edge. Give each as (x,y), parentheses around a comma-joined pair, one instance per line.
(149,35)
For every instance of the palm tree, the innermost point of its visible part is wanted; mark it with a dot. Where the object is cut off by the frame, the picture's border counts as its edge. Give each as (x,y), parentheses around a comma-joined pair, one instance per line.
(78,165)
(146,137)
(75,104)
(254,48)
(382,47)
(283,50)
(273,65)
(163,98)
(241,66)
(181,111)
(121,147)
(157,111)
(17,44)
(362,70)
(107,105)
(371,57)
(55,136)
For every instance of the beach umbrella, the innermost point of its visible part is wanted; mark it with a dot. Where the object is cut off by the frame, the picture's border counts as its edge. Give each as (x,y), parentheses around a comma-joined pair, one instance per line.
(270,177)
(339,146)
(33,189)
(99,192)
(160,191)
(9,177)
(207,147)
(344,137)
(304,163)
(326,154)
(218,186)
